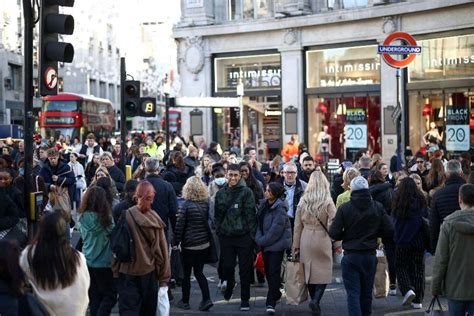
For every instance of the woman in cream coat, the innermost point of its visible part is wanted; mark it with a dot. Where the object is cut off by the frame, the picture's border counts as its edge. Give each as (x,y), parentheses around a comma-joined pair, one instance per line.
(314,215)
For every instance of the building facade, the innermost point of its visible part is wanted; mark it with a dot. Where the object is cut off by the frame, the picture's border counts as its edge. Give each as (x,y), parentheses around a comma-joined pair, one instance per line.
(311,67)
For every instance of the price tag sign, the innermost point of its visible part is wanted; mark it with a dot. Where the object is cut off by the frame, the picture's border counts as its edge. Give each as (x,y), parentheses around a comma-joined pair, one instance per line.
(356,129)
(457,128)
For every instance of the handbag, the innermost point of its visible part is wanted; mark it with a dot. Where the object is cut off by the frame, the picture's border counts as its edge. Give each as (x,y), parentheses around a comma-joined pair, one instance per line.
(259,264)
(212,256)
(431,308)
(425,230)
(295,284)
(59,198)
(382,281)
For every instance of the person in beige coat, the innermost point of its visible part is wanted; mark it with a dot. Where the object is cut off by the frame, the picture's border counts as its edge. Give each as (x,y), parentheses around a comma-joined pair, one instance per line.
(311,241)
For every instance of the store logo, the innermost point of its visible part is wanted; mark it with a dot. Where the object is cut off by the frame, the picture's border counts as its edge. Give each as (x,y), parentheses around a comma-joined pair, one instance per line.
(248,74)
(436,62)
(350,67)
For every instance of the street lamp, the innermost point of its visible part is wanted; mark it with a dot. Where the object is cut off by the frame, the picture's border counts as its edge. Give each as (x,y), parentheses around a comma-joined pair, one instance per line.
(240,94)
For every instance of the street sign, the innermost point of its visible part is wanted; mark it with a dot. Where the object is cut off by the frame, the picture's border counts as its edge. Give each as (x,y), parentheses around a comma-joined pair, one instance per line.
(356,128)
(50,78)
(411,50)
(457,128)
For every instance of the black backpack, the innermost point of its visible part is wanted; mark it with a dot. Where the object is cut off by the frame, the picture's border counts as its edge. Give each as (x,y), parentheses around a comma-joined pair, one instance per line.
(121,241)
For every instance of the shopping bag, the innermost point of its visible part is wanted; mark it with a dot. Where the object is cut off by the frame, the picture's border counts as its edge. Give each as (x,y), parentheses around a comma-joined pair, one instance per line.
(295,285)
(258,264)
(435,303)
(59,199)
(382,281)
(176,266)
(163,303)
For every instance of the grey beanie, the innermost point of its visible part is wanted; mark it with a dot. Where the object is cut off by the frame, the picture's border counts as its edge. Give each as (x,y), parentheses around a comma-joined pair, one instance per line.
(359,183)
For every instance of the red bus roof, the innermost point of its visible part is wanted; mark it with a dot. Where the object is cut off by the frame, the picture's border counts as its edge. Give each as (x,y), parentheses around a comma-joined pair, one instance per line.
(74,97)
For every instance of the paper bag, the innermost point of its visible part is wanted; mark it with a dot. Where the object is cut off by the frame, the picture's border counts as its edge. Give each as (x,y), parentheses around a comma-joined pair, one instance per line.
(382,281)
(295,286)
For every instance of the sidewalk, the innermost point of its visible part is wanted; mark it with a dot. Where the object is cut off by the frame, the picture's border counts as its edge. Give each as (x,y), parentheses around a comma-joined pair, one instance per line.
(333,302)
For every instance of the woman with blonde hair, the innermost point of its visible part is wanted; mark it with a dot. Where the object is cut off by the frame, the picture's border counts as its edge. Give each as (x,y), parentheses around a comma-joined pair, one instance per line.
(192,236)
(311,240)
(103,172)
(347,177)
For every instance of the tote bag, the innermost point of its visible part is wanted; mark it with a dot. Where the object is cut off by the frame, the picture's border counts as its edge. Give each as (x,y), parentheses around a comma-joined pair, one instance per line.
(295,286)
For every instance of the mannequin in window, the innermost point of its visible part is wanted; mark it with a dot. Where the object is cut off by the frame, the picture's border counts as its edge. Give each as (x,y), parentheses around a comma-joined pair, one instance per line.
(324,140)
(433,136)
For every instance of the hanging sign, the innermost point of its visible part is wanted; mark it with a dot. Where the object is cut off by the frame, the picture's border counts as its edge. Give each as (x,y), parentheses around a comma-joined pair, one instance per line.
(410,50)
(356,128)
(457,128)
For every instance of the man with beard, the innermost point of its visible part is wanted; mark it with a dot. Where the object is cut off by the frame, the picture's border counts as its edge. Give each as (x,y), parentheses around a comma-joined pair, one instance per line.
(308,166)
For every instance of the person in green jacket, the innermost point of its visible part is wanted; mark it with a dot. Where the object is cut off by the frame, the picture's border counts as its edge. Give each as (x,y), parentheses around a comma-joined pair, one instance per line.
(347,177)
(95,225)
(453,271)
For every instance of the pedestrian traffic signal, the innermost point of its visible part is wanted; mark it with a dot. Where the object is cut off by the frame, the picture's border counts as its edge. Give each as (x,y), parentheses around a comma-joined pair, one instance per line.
(51,50)
(131,92)
(147,107)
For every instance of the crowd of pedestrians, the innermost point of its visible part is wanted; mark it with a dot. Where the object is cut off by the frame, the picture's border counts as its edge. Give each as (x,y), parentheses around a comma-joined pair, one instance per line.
(198,205)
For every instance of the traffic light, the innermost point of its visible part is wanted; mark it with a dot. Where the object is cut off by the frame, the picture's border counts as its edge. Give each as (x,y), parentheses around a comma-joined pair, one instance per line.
(131,92)
(51,50)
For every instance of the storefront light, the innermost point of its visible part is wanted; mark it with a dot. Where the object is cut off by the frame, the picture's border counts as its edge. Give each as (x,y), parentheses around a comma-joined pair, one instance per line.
(427,109)
(341,109)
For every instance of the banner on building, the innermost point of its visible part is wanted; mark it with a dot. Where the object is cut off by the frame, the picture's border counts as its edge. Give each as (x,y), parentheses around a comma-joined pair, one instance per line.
(356,128)
(457,128)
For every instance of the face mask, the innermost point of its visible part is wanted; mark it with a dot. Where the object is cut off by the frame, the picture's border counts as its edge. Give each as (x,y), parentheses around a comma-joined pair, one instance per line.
(220,181)
(21,171)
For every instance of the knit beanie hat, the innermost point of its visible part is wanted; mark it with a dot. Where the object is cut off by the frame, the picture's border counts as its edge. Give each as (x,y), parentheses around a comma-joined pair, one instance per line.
(359,183)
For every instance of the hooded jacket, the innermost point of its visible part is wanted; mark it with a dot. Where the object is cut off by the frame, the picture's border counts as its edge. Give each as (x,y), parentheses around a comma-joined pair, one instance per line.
(235,211)
(359,222)
(382,193)
(406,229)
(151,247)
(452,271)
(274,228)
(96,243)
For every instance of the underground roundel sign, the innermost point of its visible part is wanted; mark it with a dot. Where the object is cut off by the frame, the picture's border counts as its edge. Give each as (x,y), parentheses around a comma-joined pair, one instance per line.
(410,50)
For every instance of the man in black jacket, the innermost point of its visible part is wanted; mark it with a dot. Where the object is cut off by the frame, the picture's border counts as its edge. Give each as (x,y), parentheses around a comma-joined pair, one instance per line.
(446,200)
(164,203)
(358,223)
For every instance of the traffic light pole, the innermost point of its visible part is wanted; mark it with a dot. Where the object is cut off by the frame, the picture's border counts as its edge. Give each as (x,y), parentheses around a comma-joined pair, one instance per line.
(167,121)
(28,113)
(123,124)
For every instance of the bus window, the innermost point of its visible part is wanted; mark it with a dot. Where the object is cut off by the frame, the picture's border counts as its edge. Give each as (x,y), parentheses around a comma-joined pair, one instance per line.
(60,106)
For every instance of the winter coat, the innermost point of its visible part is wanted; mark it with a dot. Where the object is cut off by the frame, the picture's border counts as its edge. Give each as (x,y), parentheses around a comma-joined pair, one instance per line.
(382,193)
(191,162)
(445,202)
(343,198)
(314,242)
(9,214)
(299,190)
(64,173)
(117,175)
(91,168)
(452,271)
(16,196)
(165,203)
(8,300)
(337,188)
(95,238)
(192,224)
(273,228)
(151,247)
(406,229)
(120,207)
(72,300)
(178,177)
(235,211)
(359,222)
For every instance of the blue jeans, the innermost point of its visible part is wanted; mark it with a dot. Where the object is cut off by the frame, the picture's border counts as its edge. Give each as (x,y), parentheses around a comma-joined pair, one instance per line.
(457,308)
(358,273)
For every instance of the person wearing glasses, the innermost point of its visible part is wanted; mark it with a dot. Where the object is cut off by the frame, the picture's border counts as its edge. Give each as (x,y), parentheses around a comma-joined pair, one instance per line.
(294,189)
(420,168)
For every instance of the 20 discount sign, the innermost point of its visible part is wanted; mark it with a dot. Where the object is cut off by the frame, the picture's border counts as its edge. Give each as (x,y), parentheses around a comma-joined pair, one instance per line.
(356,128)
(409,50)
(457,128)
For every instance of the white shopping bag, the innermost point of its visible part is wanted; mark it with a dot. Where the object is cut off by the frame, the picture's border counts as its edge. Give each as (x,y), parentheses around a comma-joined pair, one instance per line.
(163,304)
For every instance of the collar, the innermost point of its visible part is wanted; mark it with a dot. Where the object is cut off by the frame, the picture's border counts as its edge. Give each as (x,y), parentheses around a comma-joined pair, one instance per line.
(289,185)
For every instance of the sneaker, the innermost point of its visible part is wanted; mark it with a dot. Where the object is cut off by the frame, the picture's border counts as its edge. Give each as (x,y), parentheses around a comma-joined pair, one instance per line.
(416,305)
(219,285)
(392,290)
(270,309)
(228,290)
(223,286)
(183,305)
(409,297)
(315,308)
(244,306)
(204,306)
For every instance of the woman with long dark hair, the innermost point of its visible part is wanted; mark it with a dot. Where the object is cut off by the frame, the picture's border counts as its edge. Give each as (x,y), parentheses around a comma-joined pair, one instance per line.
(409,213)
(95,225)
(178,172)
(91,168)
(252,182)
(12,280)
(274,238)
(57,272)
(436,176)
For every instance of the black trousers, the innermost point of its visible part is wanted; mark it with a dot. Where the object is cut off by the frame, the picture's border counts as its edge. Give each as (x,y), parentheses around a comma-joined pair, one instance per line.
(242,248)
(102,291)
(316,292)
(194,260)
(411,268)
(390,248)
(138,295)
(272,262)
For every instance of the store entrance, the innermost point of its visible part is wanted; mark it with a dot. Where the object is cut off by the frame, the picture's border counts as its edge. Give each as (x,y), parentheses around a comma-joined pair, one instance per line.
(327,119)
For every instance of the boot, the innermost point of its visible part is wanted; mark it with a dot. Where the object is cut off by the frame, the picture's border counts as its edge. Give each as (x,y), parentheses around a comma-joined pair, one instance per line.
(316,299)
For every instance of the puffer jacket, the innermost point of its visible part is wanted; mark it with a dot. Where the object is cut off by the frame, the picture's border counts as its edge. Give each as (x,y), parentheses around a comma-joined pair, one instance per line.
(274,228)
(445,202)
(191,230)
(382,193)
(452,270)
(235,211)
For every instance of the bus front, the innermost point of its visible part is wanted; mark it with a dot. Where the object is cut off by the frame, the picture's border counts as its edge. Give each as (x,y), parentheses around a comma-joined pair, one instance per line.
(61,115)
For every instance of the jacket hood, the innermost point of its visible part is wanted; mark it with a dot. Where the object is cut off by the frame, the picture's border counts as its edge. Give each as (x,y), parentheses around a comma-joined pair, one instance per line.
(361,198)
(280,203)
(150,219)
(90,221)
(379,187)
(462,221)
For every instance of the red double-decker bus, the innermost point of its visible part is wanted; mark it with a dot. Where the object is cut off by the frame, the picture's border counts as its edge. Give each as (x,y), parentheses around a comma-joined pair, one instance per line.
(76,115)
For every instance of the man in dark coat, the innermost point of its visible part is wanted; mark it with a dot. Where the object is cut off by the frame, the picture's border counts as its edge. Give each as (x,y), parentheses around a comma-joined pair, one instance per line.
(56,173)
(164,203)
(446,200)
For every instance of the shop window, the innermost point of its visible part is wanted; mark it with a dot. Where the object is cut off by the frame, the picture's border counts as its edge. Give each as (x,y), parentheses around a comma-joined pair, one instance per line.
(332,112)
(254,9)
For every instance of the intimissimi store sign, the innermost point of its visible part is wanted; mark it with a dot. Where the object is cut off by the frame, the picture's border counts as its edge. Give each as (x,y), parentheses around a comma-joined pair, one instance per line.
(343,67)
(257,72)
(444,58)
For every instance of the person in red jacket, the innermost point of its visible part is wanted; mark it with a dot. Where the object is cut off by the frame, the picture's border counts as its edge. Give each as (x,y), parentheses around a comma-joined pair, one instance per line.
(290,149)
